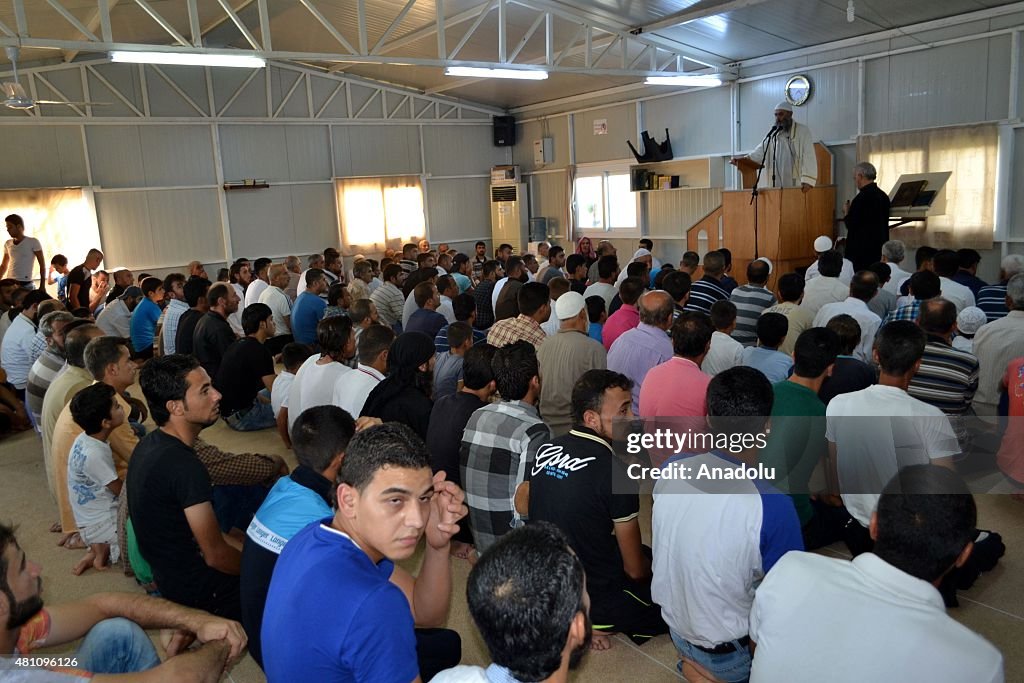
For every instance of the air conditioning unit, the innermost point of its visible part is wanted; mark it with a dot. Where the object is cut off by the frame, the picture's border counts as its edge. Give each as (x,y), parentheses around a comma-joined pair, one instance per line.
(509,215)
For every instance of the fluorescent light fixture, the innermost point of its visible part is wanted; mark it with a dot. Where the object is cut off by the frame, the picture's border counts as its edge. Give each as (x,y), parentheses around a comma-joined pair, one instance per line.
(695,81)
(482,72)
(188,59)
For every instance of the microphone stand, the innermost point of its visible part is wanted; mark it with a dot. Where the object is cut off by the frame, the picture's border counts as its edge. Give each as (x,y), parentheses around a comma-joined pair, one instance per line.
(757,179)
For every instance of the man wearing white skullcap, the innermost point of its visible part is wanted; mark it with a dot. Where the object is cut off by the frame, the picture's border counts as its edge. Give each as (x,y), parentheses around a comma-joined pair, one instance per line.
(788,153)
(823,243)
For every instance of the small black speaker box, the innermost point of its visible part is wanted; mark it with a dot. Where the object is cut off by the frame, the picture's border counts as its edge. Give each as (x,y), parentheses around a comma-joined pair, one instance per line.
(504,131)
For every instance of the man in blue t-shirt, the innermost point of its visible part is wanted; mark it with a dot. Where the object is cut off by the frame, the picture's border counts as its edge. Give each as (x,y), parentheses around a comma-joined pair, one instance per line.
(145,317)
(309,307)
(338,608)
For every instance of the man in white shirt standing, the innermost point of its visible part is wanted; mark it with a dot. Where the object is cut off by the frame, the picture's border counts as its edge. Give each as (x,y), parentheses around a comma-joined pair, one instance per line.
(885,601)
(827,287)
(787,153)
(20,255)
(273,295)
(863,288)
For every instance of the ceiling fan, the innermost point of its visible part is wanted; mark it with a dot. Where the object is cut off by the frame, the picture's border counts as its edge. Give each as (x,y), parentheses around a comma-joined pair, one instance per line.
(15,96)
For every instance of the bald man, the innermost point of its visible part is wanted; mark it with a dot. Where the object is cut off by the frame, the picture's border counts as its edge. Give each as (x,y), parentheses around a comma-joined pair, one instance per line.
(196,269)
(280,306)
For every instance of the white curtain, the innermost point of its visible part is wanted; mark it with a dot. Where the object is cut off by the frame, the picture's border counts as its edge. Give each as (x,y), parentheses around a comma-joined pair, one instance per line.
(377,213)
(971,153)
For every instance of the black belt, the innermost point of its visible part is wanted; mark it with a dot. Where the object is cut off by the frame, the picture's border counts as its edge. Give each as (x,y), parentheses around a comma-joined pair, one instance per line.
(723,648)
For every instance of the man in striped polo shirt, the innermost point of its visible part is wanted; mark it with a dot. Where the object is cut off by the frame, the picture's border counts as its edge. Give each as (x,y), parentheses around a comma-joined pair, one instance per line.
(948,377)
(992,299)
(707,290)
(751,300)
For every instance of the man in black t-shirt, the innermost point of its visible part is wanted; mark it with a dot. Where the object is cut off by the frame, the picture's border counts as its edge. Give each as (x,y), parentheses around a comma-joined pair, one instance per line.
(247,374)
(571,487)
(80,280)
(195,291)
(170,498)
(448,420)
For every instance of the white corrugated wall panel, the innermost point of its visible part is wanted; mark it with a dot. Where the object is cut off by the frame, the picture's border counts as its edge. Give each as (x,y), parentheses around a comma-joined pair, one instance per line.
(371,151)
(115,154)
(44,156)
(952,84)
(462,150)
(309,152)
(549,198)
(670,213)
(459,209)
(556,127)
(170,227)
(282,220)
(698,122)
(256,151)
(830,113)
(177,155)
(621,122)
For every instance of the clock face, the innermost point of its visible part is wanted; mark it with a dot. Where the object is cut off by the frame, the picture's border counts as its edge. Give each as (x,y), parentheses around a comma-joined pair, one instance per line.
(798,90)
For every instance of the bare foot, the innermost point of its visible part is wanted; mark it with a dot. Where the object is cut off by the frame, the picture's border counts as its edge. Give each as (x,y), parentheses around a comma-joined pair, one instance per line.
(464,551)
(600,641)
(72,541)
(87,561)
(55,528)
(102,561)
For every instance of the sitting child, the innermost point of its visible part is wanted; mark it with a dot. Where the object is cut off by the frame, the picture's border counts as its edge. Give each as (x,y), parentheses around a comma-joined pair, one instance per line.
(93,485)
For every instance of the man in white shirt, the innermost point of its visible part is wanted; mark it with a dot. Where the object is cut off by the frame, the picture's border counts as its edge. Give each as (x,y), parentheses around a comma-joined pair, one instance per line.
(875,432)
(273,295)
(447,288)
(21,253)
(352,388)
(787,153)
(893,253)
(885,601)
(741,528)
(946,264)
(862,289)
(315,381)
(260,281)
(608,273)
(827,287)
(294,267)
(174,289)
(724,352)
(822,244)
(16,352)
(116,317)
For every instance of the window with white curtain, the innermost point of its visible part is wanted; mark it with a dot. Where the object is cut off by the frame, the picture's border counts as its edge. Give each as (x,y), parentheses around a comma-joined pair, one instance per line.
(603,200)
(380,212)
(971,153)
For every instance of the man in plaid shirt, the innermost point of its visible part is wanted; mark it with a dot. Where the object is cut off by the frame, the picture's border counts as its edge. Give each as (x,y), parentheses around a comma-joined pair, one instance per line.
(924,285)
(534,308)
(499,445)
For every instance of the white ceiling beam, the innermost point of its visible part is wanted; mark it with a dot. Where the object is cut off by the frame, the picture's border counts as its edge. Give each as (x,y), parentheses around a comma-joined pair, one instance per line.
(484,11)
(99,19)
(239,24)
(395,23)
(164,24)
(327,25)
(694,12)
(72,19)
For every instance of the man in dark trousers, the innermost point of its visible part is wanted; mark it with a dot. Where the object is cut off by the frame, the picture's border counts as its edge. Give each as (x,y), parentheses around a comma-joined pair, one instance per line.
(867,218)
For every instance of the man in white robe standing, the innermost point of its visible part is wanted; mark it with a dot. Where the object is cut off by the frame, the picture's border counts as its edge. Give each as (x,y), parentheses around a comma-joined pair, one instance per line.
(790,159)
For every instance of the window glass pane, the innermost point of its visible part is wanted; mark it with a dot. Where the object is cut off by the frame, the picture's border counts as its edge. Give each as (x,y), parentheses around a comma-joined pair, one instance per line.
(590,202)
(403,207)
(621,202)
(364,215)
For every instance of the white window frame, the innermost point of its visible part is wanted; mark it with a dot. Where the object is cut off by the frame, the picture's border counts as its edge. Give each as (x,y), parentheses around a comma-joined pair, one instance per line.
(603,170)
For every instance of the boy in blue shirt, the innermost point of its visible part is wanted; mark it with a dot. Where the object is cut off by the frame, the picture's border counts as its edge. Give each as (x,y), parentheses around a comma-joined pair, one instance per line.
(309,307)
(597,314)
(338,608)
(145,317)
(777,366)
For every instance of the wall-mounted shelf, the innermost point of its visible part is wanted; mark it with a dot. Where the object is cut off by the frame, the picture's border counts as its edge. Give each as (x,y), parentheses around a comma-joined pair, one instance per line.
(683,174)
(247,185)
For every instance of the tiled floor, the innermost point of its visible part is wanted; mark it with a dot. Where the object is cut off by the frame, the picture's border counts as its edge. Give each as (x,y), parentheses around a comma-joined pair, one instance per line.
(994,607)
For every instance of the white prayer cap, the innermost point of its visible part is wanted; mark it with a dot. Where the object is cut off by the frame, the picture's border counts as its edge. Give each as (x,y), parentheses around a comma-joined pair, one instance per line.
(823,243)
(766,260)
(784,106)
(639,253)
(569,305)
(971,319)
